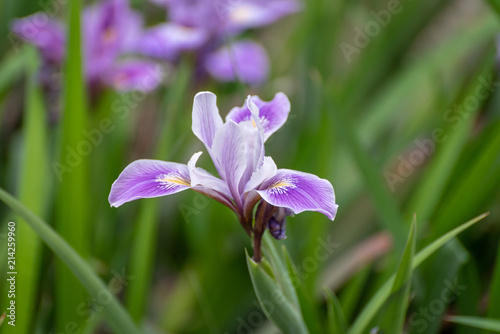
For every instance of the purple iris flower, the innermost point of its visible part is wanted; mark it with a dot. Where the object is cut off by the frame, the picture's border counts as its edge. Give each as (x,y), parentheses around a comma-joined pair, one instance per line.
(247,177)
(110,32)
(205,25)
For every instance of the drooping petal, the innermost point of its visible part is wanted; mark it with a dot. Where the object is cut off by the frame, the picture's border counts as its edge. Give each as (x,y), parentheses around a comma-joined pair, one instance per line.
(167,41)
(245,61)
(206,118)
(229,157)
(135,75)
(149,178)
(272,114)
(299,192)
(45,33)
(257,13)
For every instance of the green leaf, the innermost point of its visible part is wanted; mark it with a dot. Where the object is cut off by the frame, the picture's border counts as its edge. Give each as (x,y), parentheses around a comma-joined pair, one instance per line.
(72,210)
(477,322)
(373,306)
(395,310)
(33,191)
(273,301)
(12,68)
(113,311)
(280,270)
(308,308)
(494,298)
(336,319)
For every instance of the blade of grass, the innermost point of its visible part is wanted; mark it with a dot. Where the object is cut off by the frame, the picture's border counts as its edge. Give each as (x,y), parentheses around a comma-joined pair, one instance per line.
(308,308)
(113,311)
(336,320)
(33,194)
(371,308)
(72,213)
(395,311)
(494,297)
(477,322)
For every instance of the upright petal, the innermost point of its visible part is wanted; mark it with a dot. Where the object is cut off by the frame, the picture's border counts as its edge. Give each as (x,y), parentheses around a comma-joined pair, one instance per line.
(206,118)
(149,178)
(46,34)
(264,172)
(229,157)
(245,61)
(135,75)
(299,192)
(167,41)
(272,114)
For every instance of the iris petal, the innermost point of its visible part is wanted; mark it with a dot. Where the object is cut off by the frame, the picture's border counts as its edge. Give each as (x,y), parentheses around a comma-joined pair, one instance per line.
(169,40)
(136,75)
(244,60)
(47,37)
(299,192)
(229,157)
(206,118)
(272,114)
(147,179)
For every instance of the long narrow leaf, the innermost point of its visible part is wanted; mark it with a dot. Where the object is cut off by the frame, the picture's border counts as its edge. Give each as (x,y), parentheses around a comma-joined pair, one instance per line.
(72,213)
(336,320)
(366,315)
(273,301)
(477,322)
(33,194)
(395,312)
(113,312)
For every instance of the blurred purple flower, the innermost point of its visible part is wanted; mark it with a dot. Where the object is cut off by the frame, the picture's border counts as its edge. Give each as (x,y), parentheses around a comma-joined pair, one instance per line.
(247,176)
(110,31)
(204,26)
(246,58)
